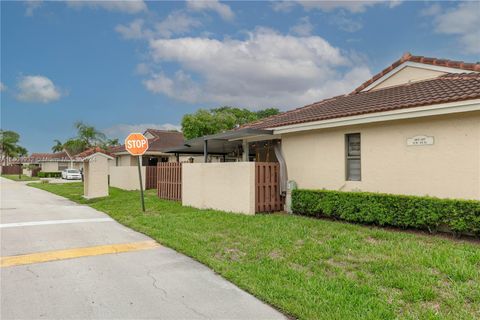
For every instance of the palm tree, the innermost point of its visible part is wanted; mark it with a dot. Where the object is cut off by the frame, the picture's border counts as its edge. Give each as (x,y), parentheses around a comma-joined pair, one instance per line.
(9,147)
(75,146)
(89,135)
(58,146)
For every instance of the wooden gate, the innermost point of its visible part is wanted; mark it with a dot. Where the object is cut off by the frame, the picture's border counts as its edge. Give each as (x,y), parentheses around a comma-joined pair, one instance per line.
(169,177)
(267,187)
(35,171)
(150,177)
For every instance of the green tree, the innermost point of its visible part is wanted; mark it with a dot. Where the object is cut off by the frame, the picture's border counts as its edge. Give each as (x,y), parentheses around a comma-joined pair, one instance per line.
(74,146)
(205,122)
(267,113)
(9,147)
(89,135)
(58,146)
(110,143)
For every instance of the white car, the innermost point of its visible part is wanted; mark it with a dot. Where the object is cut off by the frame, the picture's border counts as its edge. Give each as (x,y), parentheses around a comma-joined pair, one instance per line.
(71,174)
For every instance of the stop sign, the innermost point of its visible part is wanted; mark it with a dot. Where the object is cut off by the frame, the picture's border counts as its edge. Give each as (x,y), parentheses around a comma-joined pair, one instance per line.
(136,144)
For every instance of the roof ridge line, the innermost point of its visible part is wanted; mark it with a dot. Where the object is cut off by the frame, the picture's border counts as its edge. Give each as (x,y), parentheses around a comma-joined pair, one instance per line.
(407,56)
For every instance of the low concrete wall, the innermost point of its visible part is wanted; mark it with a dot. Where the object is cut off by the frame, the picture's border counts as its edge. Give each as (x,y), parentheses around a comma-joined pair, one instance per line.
(95,177)
(226,186)
(27,172)
(126,177)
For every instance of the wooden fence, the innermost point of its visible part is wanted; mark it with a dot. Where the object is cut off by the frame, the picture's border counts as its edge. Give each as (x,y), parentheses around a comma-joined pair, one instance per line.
(150,177)
(267,187)
(169,177)
(15,169)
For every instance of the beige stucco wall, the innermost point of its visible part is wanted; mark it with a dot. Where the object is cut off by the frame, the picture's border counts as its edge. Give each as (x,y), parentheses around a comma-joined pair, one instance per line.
(126,160)
(49,166)
(222,186)
(27,172)
(52,166)
(95,172)
(408,74)
(76,165)
(450,168)
(126,177)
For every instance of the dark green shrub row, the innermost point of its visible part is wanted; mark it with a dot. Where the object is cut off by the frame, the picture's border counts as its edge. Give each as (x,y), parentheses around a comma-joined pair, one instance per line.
(42,174)
(458,216)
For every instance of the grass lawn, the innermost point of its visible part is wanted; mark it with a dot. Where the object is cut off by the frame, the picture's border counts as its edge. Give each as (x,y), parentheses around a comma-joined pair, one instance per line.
(23,177)
(308,268)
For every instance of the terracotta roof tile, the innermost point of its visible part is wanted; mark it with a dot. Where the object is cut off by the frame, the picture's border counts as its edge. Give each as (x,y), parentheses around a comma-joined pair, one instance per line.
(91,151)
(447,88)
(426,60)
(163,140)
(50,156)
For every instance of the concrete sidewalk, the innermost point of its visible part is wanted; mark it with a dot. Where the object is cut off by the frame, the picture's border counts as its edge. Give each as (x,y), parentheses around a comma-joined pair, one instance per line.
(154,283)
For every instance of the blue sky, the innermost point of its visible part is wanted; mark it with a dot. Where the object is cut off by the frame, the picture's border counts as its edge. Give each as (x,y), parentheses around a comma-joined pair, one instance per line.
(125,66)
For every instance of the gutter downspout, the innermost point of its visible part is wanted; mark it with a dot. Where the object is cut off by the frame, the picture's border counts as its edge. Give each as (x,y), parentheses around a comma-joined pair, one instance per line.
(283,168)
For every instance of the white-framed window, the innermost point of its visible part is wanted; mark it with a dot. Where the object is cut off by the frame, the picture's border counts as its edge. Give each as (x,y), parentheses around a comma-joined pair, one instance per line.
(62,166)
(353,163)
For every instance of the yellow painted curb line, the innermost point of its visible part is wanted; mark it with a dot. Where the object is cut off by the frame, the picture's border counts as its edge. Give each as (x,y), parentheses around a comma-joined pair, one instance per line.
(75,253)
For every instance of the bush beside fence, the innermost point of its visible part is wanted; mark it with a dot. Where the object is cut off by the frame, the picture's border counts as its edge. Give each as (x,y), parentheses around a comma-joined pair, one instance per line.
(42,174)
(433,214)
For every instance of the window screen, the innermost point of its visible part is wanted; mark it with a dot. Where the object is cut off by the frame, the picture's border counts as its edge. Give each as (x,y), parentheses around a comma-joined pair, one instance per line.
(62,166)
(353,162)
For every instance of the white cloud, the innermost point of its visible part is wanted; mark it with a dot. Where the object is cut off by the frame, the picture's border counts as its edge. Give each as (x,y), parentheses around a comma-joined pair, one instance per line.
(37,89)
(126,6)
(283,6)
(265,69)
(303,28)
(345,23)
(142,68)
(351,6)
(134,30)
(2,87)
(122,130)
(433,10)
(176,22)
(32,5)
(214,5)
(462,21)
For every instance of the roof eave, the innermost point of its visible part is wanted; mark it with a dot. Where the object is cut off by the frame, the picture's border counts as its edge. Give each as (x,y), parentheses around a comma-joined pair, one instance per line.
(399,114)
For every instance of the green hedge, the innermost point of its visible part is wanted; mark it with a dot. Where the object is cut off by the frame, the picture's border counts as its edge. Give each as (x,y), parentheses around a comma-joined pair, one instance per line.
(458,216)
(42,174)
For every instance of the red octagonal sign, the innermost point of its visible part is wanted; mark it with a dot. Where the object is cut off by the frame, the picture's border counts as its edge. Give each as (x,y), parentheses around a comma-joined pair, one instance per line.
(136,144)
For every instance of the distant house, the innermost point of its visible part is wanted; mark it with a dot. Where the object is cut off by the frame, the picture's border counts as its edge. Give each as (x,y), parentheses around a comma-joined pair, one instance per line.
(158,142)
(56,162)
(413,128)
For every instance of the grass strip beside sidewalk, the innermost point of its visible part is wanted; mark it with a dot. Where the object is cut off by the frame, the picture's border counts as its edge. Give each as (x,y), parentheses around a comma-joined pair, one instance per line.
(23,177)
(309,268)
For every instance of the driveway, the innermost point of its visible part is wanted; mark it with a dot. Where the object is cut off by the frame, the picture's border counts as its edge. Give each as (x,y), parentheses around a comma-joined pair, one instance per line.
(63,260)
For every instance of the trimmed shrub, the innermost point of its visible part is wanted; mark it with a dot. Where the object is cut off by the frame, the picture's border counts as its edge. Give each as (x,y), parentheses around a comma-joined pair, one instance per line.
(42,174)
(433,214)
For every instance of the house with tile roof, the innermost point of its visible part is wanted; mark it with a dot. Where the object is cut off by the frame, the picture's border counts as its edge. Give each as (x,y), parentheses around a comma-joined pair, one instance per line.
(56,162)
(158,142)
(413,129)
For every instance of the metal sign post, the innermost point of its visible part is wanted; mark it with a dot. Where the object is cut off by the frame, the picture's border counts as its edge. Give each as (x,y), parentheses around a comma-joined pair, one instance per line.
(141,184)
(137,144)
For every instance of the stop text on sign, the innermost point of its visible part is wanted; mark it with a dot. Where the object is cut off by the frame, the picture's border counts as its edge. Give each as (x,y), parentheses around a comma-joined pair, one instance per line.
(136,144)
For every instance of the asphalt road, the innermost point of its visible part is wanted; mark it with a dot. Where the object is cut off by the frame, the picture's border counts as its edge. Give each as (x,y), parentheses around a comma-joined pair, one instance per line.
(62,260)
